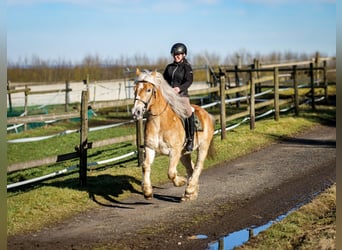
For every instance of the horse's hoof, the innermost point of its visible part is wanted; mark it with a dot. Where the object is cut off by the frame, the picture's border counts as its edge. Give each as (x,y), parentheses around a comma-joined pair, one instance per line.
(148,197)
(189,197)
(184,199)
(182,183)
(179,181)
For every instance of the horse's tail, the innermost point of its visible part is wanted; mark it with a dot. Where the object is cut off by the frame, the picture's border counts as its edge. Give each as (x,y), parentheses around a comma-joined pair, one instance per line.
(212,150)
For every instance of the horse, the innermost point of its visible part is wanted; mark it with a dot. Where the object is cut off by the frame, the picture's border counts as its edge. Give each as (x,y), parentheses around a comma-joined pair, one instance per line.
(165,134)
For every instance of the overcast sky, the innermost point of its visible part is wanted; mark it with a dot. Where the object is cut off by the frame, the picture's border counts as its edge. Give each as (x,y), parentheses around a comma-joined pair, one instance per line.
(72,29)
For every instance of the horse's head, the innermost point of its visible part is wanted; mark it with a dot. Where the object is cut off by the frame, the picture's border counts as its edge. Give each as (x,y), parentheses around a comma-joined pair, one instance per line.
(144,90)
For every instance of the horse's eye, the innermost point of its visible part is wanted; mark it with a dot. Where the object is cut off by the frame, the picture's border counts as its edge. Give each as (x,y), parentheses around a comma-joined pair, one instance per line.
(149,90)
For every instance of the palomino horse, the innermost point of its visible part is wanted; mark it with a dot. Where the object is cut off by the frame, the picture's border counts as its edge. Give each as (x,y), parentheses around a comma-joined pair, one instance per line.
(165,134)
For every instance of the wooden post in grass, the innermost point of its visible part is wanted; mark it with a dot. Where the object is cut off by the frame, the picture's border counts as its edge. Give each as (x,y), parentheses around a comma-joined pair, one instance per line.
(83,139)
(317,61)
(86,83)
(9,96)
(67,99)
(237,84)
(252,101)
(140,141)
(295,89)
(252,78)
(312,85)
(325,81)
(223,106)
(27,91)
(276,94)
(257,75)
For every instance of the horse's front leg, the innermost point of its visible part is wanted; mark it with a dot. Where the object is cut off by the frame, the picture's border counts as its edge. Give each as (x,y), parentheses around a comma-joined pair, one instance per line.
(146,173)
(178,181)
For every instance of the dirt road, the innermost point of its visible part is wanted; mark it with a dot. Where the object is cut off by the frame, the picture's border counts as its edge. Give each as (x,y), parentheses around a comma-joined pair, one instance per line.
(250,190)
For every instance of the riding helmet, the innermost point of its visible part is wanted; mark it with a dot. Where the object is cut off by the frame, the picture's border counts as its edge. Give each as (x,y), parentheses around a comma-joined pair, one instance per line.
(178,48)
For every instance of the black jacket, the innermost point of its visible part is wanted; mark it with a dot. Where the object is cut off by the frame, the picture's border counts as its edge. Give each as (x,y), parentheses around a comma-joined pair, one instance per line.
(179,75)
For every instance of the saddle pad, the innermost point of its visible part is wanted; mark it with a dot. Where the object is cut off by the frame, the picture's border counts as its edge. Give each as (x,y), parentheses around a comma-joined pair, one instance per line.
(198,123)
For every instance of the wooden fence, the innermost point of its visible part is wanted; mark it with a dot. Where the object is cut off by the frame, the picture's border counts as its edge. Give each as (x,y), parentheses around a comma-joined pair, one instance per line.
(11,89)
(221,87)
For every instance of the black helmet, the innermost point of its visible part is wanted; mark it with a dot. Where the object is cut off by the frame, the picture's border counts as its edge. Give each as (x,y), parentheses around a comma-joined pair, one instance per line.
(178,48)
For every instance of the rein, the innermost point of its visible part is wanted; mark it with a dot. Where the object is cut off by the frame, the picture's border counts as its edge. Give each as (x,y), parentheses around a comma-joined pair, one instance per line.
(167,104)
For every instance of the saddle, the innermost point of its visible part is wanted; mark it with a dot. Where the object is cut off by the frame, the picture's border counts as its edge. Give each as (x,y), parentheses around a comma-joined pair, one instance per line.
(198,124)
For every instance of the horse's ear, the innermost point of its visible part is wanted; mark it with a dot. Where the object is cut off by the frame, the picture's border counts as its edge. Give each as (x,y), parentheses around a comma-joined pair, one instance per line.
(137,72)
(154,73)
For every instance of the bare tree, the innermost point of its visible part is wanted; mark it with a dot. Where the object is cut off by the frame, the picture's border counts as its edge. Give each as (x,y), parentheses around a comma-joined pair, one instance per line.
(37,69)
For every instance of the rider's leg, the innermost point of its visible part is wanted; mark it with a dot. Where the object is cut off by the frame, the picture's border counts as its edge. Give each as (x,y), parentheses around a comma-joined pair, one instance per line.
(190,130)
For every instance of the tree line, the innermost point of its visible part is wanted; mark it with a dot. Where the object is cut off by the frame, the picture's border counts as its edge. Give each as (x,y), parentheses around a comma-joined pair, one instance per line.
(36,69)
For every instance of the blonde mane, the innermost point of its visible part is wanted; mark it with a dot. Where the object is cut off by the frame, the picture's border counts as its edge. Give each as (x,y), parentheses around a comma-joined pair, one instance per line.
(171,97)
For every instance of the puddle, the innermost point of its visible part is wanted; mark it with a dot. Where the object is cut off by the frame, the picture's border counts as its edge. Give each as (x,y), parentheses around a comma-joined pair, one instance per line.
(238,238)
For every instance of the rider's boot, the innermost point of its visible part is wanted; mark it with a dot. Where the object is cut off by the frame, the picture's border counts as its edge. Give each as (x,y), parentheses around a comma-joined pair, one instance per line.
(190,130)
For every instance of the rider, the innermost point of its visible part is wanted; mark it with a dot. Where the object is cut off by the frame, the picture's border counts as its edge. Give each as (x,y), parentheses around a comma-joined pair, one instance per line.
(179,75)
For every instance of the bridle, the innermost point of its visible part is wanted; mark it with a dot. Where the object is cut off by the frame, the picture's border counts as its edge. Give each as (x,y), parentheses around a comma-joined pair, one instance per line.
(149,100)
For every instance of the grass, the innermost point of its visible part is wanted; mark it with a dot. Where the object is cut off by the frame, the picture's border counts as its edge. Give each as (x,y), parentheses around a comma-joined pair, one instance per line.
(313,226)
(32,207)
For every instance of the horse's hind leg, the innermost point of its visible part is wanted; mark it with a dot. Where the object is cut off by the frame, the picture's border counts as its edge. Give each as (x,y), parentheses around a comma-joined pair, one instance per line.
(146,173)
(188,164)
(191,191)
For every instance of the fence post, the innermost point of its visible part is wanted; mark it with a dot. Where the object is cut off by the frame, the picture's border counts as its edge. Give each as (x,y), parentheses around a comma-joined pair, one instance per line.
(252,103)
(325,79)
(317,60)
(86,82)
(83,139)
(208,75)
(9,95)
(237,84)
(223,107)
(27,90)
(257,75)
(67,99)
(295,89)
(140,141)
(312,87)
(276,94)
